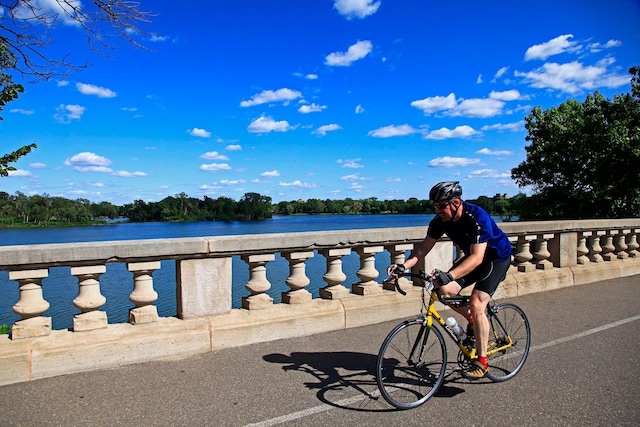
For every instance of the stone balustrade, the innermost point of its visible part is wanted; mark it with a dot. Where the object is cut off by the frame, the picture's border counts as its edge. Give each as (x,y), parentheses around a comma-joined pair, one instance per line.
(547,255)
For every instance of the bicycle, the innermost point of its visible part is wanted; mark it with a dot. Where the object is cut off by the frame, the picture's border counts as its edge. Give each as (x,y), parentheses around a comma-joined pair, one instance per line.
(412,360)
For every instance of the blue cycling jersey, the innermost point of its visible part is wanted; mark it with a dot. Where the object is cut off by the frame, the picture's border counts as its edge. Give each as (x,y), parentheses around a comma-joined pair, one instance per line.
(474,226)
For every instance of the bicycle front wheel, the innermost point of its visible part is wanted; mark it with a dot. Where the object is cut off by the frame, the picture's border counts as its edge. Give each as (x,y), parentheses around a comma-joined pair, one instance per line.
(509,341)
(411,364)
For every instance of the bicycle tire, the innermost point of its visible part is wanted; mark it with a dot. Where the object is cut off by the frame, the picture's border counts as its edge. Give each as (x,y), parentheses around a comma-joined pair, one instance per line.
(402,382)
(508,321)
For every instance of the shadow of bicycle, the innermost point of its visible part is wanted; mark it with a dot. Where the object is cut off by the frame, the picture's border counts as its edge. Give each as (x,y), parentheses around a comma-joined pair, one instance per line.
(344,379)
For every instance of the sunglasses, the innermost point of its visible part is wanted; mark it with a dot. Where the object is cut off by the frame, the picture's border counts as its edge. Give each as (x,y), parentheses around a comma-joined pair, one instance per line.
(440,206)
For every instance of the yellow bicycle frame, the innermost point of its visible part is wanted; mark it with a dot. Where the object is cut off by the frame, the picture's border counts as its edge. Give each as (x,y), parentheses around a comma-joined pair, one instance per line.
(470,353)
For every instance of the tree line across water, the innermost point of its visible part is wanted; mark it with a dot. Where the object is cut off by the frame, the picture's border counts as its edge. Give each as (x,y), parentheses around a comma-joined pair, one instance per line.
(20,210)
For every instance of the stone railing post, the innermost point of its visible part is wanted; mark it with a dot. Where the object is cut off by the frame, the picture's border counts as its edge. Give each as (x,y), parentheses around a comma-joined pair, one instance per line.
(334,275)
(31,304)
(608,248)
(258,283)
(620,242)
(632,243)
(89,299)
(398,252)
(542,253)
(143,295)
(297,279)
(523,253)
(594,247)
(367,272)
(582,249)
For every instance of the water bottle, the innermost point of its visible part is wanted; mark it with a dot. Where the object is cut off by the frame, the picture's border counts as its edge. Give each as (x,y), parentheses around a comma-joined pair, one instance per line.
(453,325)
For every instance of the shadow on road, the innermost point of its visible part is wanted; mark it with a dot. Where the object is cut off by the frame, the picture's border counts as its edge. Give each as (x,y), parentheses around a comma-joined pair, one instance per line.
(336,375)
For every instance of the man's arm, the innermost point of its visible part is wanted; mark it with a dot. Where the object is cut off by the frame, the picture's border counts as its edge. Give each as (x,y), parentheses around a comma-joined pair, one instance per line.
(471,262)
(420,251)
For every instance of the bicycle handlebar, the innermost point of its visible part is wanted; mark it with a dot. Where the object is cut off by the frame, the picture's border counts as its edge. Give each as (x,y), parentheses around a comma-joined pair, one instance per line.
(419,275)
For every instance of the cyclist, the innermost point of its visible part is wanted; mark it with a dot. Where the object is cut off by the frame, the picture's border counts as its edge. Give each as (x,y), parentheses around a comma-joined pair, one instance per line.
(487,256)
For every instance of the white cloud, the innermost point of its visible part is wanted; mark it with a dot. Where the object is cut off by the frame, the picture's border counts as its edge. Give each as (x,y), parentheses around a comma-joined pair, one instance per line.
(126,174)
(231,182)
(233,147)
(513,127)
(573,77)
(500,73)
(488,173)
(265,124)
(270,174)
(66,113)
(37,165)
(451,162)
(478,108)
(554,46)
(89,162)
(352,177)
(297,183)
(435,103)
(100,92)
(507,95)
(213,155)
(359,109)
(283,95)
(199,133)
(351,164)
(213,167)
(598,47)
(494,152)
(354,53)
(63,11)
(464,131)
(393,130)
(22,111)
(322,130)
(311,108)
(19,173)
(356,8)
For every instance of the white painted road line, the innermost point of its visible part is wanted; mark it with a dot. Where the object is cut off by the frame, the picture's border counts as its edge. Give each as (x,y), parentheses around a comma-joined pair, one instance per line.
(354,399)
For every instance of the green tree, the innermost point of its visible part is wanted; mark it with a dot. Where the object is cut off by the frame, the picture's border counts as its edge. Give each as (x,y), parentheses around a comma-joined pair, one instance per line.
(583,158)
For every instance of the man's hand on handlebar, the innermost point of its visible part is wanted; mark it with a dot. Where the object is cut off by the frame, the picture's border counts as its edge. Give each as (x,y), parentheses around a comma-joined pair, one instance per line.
(394,270)
(442,277)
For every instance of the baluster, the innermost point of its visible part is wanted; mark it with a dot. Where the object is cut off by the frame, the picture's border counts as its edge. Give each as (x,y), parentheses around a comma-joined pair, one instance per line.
(334,275)
(143,295)
(459,253)
(367,272)
(258,283)
(31,304)
(89,299)
(608,247)
(632,243)
(297,279)
(582,250)
(594,247)
(398,257)
(523,253)
(542,253)
(621,245)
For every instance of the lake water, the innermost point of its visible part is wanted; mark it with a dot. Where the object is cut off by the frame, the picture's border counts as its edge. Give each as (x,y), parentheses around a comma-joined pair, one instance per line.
(60,288)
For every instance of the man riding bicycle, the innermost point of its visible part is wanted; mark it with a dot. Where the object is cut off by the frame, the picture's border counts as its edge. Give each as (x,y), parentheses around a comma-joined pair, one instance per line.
(487,256)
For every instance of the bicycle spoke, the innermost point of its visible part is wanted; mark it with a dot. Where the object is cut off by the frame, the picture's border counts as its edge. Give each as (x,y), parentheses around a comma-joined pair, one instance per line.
(411,364)
(511,339)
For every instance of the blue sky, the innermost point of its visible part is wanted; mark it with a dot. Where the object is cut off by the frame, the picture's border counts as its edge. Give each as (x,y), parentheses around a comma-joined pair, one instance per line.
(328,99)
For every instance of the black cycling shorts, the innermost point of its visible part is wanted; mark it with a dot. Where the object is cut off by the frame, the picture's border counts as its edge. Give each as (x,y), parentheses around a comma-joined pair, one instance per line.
(487,276)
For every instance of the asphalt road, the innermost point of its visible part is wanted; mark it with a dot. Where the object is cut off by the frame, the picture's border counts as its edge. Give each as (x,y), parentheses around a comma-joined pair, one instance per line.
(583,369)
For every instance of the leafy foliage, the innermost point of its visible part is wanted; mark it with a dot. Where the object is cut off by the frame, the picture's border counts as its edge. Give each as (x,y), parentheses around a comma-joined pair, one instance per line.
(583,158)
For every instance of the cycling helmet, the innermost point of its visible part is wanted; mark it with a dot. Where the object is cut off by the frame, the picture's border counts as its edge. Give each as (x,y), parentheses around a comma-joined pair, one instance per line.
(446,190)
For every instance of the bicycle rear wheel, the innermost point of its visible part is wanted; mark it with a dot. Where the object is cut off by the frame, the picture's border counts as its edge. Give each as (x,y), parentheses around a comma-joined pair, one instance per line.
(509,324)
(411,364)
